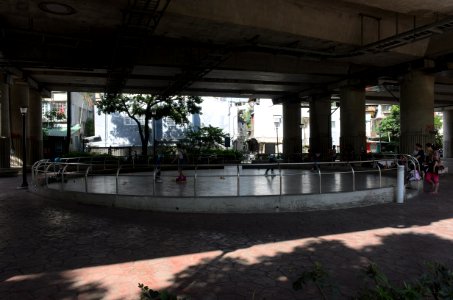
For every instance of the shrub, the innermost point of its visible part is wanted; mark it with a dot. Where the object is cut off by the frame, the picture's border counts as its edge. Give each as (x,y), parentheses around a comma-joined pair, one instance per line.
(436,283)
(148,294)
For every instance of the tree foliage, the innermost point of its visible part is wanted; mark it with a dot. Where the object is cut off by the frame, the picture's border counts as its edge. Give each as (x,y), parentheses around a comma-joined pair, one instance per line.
(199,140)
(390,125)
(54,115)
(438,138)
(206,137)
(89,127)
(149,106)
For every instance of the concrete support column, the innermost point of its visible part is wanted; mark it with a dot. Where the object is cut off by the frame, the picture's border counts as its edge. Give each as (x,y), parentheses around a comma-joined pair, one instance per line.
(320,126)
(416,110)
(352,122)
(448,133)
(19,97)
(35,126)
(292,134)
(5,132)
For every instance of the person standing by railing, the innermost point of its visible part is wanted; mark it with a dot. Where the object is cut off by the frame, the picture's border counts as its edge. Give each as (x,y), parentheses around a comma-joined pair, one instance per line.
(180,158)
(419,154)
(432,173)
(433,165)
(316,158)
(159,159)
(333,153)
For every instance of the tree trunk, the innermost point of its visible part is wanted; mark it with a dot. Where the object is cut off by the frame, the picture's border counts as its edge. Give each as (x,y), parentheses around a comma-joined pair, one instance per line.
(145,139)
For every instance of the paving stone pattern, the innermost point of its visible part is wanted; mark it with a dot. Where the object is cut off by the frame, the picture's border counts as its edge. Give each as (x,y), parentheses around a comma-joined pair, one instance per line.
(55,250)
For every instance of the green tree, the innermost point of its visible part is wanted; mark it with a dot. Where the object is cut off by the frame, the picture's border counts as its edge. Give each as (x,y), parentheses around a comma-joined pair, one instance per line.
(390,125)
(438,138)
(89,127)
(205,138)
(52,116)
(149,106)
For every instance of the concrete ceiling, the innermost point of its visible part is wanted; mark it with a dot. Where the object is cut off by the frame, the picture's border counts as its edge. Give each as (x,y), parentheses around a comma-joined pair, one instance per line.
(241,48)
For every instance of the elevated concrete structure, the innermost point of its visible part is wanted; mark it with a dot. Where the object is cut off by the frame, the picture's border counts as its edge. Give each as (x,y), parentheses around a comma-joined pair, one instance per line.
(268,49)
(278,49)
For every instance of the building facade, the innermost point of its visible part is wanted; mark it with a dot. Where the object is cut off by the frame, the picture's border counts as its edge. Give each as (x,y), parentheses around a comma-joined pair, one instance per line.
(57,112)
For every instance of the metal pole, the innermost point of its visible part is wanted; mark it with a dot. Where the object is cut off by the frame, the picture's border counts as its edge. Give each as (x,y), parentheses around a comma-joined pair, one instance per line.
(154,141)
(380,174)
(353,178)
(276,129)
(86,179)
(320,180)
(238,193)
(195,182)
(400,185)
(24,155)
(302,152)
(116,181)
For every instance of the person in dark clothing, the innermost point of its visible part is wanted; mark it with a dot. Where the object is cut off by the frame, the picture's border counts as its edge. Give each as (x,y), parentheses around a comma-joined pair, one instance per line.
(432,173)
(272,161)
(316,159)
(419,154)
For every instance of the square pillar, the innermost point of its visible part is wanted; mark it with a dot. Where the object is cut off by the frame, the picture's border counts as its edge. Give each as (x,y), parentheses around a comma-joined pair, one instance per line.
(320,126)
(19,97)
(416,110)
(352,123)
(292,134)
(448,133)
(35,126)
(5,132)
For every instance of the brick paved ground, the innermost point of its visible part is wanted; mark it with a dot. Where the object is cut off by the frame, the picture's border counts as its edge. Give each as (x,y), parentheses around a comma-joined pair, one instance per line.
(53,250)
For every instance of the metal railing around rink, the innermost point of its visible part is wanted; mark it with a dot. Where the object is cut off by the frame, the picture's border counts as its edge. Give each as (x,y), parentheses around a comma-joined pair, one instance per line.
(219,180)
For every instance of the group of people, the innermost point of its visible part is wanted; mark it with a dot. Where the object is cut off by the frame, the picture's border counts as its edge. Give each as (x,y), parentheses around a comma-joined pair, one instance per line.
(429,162)
(430,165)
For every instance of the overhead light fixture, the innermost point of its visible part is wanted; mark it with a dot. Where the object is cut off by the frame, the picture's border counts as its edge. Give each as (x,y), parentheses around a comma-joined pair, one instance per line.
(56,8)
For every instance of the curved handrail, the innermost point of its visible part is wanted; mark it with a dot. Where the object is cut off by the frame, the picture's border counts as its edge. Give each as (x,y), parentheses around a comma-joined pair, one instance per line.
(196,175)
(380,175)
(320,180)
(86,178)
(116,179)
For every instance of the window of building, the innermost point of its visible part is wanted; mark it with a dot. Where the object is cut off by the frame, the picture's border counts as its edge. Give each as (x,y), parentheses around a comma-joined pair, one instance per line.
(333,124)
(45,107)
(170,122)
(59,106)
(129,121)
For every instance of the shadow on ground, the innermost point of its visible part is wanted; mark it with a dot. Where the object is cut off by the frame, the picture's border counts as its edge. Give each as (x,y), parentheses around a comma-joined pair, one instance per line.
(46,239)
(400,257)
